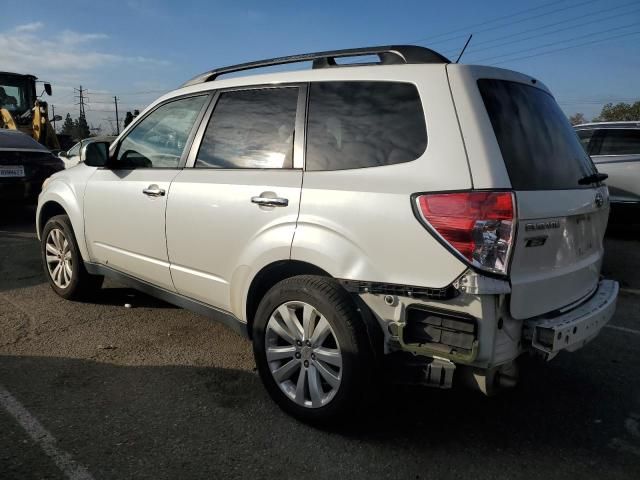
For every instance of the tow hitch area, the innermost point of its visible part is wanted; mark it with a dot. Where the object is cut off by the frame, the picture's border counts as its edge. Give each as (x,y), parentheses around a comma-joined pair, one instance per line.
(575,328)
(407,369)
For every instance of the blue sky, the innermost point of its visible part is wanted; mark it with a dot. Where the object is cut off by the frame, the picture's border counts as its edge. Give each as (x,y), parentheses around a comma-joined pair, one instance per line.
(137,49)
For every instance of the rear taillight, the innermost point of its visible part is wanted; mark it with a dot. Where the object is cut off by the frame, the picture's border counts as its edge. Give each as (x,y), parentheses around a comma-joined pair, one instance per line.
(480,226)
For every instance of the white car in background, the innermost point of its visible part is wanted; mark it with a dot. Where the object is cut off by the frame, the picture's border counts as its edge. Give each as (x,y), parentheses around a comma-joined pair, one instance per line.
(614,148)
(71,157)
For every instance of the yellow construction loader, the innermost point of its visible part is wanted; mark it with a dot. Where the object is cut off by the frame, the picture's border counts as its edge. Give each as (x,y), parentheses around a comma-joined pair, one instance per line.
(21,109)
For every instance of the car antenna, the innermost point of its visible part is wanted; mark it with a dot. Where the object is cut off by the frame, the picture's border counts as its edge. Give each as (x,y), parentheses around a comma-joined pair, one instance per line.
(464,48)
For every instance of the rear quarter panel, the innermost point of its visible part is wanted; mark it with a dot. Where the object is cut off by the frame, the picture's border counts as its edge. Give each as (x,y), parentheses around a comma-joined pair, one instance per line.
(359,224)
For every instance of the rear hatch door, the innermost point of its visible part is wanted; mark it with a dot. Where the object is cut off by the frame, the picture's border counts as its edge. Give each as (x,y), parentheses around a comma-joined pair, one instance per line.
(561,214)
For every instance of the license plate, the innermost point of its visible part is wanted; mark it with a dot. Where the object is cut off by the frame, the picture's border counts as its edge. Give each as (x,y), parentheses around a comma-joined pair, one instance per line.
(11,171)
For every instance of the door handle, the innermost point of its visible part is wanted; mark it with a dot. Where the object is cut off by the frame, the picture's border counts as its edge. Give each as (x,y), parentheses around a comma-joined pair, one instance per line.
(270,202)
(153,191)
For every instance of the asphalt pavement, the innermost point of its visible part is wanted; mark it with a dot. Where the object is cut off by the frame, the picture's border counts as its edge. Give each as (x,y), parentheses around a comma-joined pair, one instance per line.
(97,390)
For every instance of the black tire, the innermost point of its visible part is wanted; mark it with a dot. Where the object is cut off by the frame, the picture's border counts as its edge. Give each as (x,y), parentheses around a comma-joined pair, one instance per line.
(82,285)
(333,302)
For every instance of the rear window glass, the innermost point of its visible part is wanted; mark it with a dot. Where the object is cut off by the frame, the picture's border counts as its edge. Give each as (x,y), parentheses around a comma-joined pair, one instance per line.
(540,148)
(363,124)
(585,138)
(620,142)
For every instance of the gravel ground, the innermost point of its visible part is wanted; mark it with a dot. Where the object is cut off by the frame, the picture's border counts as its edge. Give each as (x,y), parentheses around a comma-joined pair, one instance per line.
(158,392)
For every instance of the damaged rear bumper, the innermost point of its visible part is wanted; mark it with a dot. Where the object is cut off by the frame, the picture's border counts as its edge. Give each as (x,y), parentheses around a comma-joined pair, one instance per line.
(575,328)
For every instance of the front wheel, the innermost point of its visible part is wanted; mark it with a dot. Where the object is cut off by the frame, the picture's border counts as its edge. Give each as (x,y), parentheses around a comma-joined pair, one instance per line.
(63,263)
(312,349)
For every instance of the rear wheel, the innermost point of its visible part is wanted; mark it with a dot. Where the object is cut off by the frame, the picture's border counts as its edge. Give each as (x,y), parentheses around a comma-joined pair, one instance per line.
(63,263)
(312,349)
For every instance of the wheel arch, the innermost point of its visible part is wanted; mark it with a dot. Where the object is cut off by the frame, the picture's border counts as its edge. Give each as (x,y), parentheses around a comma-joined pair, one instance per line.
(268,276)
(59,199)
(48,210)
(277,271)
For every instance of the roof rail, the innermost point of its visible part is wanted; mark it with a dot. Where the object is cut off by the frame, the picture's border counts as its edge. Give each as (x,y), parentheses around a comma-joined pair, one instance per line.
(388,55)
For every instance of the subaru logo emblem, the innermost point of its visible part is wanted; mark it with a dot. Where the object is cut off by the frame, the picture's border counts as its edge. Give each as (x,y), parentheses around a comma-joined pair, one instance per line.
(599,200)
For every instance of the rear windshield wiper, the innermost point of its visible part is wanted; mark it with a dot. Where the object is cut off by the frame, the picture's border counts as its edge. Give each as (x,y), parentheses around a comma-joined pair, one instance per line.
(593,178)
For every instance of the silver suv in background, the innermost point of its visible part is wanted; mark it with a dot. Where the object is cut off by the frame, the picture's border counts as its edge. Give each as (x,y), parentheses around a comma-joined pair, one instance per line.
(614,147)
(432,217)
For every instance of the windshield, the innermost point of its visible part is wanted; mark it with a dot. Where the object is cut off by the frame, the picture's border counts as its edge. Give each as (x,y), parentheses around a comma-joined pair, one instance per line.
(15,93)
(540,148)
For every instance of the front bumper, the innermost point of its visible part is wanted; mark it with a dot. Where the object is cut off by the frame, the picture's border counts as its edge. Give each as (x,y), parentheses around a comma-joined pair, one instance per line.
(575,328)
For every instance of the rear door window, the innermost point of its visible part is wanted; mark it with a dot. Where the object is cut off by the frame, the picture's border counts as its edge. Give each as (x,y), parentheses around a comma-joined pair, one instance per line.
(540,149)
(251,129)
(363,124)
(619,142)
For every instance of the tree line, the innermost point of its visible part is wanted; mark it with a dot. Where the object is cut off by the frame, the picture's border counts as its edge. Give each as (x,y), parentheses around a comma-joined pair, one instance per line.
(77,129)
(619,112)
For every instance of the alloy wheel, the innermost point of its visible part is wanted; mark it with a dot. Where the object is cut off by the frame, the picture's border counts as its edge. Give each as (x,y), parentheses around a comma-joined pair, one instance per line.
(59,259)
(303,354)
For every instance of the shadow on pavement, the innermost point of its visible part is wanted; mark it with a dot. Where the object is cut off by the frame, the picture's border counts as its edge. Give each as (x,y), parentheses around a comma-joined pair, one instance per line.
(20,264)
(190,422)
(111,294)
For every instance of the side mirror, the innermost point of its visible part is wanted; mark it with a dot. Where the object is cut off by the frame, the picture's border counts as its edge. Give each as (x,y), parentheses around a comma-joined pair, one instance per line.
(95,154)
(63,153)
(47,88)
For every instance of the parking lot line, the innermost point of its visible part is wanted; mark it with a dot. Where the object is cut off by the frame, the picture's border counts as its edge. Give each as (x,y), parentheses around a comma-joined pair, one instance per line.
(18,234)
(633,291)
(71,469)
(623,329)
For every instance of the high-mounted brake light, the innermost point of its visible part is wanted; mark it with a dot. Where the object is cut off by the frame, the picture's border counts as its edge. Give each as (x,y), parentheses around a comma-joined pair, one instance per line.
(480,226)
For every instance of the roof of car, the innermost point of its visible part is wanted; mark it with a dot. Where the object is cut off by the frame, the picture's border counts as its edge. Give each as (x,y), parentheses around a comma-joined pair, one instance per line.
(100,138)
(16,140)
(626,124)
(387,55)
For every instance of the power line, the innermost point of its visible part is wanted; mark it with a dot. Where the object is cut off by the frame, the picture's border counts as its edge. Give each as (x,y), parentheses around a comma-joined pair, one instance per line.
(147,92)
(567,48)
(468,27)
(550,44)
(526,19)
(598,101)
(474,46)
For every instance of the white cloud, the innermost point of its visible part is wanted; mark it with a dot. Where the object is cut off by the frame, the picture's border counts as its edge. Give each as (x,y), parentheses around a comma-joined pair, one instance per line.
(68,37)
(29,27)
(68,58)
(21,50)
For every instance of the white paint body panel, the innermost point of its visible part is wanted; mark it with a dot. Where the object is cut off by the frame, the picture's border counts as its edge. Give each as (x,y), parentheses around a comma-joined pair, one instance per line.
(624,176)
(66,188)
(566,267)
(359,224)
(125,229)
(216,235)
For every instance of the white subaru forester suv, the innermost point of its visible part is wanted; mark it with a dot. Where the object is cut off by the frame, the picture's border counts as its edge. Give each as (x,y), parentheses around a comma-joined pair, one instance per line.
(410,213)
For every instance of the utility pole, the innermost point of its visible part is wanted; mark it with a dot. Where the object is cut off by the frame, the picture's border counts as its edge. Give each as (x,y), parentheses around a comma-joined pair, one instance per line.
(115,99)
(53,110)
(82,98)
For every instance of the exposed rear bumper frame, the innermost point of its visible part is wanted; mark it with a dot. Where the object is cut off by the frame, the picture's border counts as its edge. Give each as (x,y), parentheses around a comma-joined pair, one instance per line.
(575,328)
